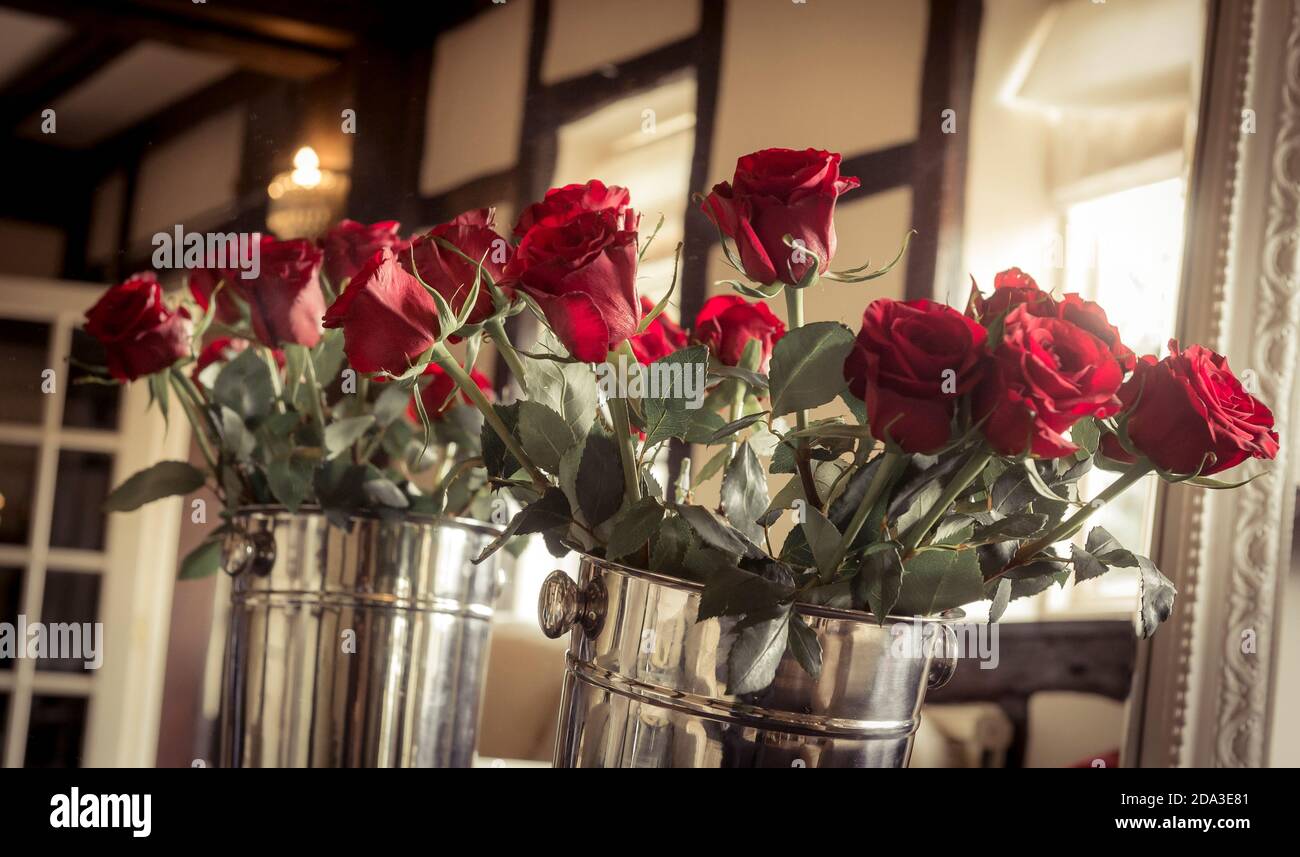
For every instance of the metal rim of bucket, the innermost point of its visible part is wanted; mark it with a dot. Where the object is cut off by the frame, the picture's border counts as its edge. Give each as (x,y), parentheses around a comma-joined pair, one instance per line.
(950,616)
(398,516)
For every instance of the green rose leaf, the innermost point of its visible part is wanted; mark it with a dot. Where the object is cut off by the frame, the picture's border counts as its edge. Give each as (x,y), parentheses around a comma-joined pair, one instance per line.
(805,646)
(633,527)
(938,580)
(744,492)
(879,579)
(164,479)
(807,367)
(245,385)
(756,652)
(341,434)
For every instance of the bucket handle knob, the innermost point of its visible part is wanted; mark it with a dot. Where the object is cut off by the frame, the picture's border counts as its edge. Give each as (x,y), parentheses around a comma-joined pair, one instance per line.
(944,665)
(243,551)
(561,605)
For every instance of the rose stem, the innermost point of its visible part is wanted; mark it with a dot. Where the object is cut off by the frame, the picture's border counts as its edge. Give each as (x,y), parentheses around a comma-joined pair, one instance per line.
(313,400)
(1075,522)
(794,311)
(623,431)
(189,400)
(497,333)
(269,359)
(444,358)
(964,477)
(884,474)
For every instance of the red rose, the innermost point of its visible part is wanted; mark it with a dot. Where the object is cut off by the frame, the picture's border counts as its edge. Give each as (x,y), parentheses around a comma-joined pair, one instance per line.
(285,300)
(349,245)
(437,389)
(582,273)
(139,333)
(660,339)
(727,323)
(1092,318)
(388,319)
(562,204)
(779,192)
(1188,412)
(1011,288)
(450,274)
(1047,374)
(911,363)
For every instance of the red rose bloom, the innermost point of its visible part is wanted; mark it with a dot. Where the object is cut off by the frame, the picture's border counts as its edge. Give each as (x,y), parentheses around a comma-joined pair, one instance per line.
(562,204)
(660,339)
(388,319)
(451,275)
(1047,374)
(285,300)
(1011,288)
(349,245)
(779,192)
(727,323)
(911,363)
(437,389)
(1092,318)
(140,334)
(1188,412)
(582,273)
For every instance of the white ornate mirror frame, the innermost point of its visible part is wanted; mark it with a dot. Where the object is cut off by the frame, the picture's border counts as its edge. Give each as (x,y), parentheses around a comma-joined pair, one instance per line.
(1205,685)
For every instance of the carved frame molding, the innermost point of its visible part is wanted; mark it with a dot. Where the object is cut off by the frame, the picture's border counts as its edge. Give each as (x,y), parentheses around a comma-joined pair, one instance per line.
(1203,693)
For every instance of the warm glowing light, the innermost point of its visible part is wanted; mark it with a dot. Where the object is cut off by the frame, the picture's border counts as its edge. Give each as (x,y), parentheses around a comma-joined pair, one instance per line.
(306,168)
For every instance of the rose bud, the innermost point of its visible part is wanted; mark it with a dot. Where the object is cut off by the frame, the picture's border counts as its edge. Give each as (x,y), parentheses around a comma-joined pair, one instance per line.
(451,274)
(437,389)
(1011,288)
(387,317)
(1045,376)
(562,204)
(203,282)
(779,192)
(911,363)
(140,334)
(661,338)
(285,300)
(349,245)
(727,323)
(582,274)
(1188,413)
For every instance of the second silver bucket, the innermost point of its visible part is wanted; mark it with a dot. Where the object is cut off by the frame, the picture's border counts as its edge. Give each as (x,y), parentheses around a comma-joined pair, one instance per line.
(644,683)
(361,648)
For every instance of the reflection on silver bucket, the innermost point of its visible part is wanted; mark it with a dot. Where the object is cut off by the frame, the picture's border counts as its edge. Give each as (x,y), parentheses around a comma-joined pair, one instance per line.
(354,649)
(644,685)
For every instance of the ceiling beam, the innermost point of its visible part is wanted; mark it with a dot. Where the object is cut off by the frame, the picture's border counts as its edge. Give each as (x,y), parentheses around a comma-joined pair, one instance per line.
(63,67)
(296,50)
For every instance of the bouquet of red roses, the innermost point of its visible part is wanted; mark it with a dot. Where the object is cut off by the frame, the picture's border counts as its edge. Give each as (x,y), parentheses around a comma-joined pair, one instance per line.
(953,477)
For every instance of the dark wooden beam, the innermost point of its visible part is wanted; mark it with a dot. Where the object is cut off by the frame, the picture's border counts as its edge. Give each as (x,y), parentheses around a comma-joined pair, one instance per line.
(939,165)
(535,166)
(294,51)
(391,87)
(582,95)
(480,192)
(63,67)
(38,180)
(881,170)
(700,235)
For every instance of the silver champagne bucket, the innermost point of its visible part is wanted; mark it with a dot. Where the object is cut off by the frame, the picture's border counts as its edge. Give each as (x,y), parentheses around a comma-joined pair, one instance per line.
(645,684)
(354,649)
